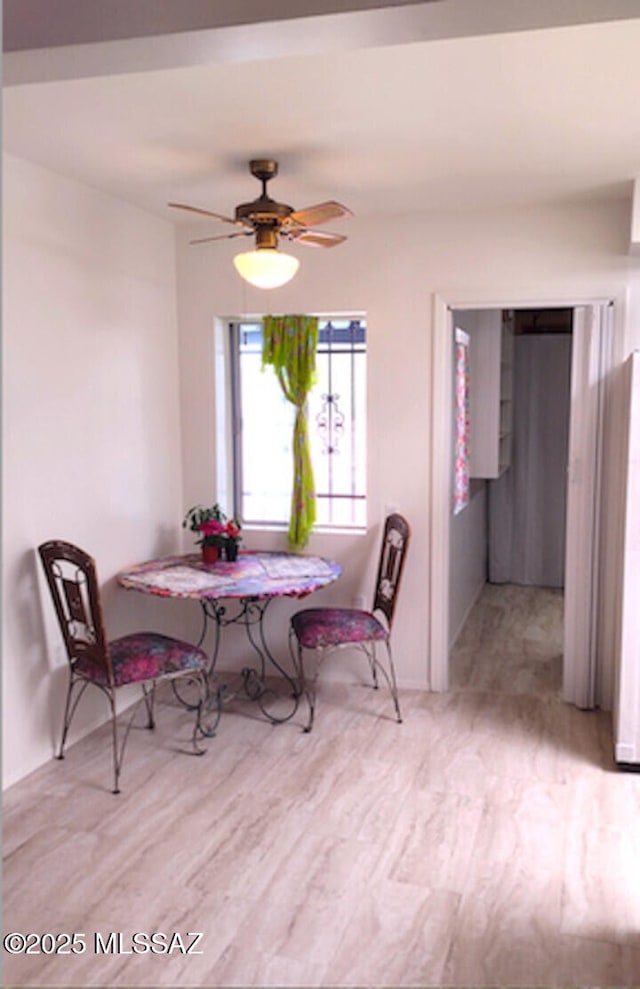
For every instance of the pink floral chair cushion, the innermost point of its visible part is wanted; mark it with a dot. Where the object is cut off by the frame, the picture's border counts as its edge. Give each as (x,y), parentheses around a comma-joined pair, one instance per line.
(144,656)
(318,628)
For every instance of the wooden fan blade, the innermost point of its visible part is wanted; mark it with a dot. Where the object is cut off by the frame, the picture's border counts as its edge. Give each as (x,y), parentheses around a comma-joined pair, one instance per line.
(322,213)
(316,238)
(206,240)
(205,212)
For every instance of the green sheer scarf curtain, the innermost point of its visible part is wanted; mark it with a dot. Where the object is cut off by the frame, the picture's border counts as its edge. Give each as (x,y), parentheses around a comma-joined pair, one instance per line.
(289,344)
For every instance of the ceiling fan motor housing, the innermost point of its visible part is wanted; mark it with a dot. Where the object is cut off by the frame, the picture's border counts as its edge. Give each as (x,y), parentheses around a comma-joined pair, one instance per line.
(263,210)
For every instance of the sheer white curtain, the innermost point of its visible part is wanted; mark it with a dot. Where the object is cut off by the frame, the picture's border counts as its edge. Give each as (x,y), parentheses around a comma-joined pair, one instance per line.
(527,504)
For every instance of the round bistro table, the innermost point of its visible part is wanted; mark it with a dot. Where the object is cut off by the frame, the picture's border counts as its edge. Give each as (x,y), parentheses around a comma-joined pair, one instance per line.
(237,592)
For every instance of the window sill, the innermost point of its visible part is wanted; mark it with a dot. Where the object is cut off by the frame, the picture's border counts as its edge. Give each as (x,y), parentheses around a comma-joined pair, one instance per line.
(321,530)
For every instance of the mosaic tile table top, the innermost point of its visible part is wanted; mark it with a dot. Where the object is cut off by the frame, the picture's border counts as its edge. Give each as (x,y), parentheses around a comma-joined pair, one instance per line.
(252,575)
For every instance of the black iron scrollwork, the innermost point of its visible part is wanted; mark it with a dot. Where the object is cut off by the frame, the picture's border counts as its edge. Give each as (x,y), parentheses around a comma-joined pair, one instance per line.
(330,423)
(249,613)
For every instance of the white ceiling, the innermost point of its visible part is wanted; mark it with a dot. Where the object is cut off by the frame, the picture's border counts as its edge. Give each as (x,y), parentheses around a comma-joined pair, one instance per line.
(378,121)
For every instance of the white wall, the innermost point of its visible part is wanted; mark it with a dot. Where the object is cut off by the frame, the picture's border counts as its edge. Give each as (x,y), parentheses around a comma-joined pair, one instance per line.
(91,449)
(389,268)
(627,706)
(624,505)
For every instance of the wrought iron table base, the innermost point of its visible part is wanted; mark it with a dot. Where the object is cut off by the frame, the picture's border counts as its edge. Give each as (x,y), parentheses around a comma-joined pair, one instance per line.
(250,614)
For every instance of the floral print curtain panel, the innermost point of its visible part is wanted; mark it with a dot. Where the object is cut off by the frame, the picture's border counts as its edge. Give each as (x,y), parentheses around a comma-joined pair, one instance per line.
(461,472)
(290,344)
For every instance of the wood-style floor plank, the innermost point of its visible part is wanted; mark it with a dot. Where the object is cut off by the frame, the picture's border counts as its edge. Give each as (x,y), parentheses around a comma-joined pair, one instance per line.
(487,841)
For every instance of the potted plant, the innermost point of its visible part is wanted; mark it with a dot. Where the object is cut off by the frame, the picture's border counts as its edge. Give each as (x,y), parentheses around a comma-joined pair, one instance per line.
(215,532)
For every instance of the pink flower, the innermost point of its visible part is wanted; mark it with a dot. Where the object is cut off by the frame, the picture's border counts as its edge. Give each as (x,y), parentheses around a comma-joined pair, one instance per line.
(211,528)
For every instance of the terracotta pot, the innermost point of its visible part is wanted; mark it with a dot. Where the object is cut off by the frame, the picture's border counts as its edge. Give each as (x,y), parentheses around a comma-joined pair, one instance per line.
(210,554)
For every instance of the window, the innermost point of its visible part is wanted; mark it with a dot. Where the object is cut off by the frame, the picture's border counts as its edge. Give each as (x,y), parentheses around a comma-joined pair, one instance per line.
(263,427)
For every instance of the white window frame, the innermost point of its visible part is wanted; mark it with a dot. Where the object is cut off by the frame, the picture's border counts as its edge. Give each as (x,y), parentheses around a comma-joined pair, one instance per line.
(232,325)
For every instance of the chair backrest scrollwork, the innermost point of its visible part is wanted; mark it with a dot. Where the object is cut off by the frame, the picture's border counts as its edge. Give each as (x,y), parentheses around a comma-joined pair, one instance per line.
(72,579)
(395,541)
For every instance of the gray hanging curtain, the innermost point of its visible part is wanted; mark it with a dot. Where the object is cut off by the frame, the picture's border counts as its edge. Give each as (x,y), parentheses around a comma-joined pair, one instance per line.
(527,505)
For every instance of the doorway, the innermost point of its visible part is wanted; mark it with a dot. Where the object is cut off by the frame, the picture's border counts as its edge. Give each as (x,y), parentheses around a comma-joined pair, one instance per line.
(591,360)
(507,544)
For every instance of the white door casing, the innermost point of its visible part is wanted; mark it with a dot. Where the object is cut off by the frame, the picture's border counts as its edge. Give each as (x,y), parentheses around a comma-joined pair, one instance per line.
(591,338)
(441,493)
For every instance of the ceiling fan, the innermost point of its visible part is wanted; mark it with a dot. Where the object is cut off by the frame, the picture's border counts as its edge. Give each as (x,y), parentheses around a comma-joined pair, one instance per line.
(269,220)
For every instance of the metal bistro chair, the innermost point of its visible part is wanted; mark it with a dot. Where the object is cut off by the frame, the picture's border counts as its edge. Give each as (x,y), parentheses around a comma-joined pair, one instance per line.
(326,629)
(142,657)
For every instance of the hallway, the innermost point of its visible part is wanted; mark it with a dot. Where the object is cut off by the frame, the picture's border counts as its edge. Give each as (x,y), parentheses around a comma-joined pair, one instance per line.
(511,643)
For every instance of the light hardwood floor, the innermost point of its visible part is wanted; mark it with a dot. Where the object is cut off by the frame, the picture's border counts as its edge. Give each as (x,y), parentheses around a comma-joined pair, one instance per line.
(486,841)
